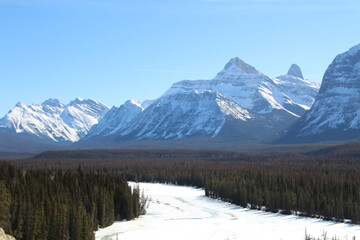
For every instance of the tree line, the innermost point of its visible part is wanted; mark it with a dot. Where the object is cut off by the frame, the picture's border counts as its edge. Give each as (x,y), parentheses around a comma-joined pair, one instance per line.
(42,204)
(329,190)
(323,184)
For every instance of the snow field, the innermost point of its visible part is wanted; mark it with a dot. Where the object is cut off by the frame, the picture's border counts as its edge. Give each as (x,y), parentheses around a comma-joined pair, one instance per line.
(178,212)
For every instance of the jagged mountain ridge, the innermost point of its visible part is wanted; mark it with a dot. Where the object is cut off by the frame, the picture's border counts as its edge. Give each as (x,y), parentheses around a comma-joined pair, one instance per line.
(238,103)
(116,118)
(197,108)
(253,90)
(183,115)
(54,121)
(335,114)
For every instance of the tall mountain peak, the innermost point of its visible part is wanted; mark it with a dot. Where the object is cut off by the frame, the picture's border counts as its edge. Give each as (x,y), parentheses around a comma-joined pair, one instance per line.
(236,64)
(295,71)
(52,102)
(20,105)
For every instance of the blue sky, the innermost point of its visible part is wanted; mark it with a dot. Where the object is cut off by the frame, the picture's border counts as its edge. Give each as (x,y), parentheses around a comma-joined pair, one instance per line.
(114,50)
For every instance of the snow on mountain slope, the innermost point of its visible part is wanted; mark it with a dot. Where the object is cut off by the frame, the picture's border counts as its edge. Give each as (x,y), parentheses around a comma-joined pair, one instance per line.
(82,114)
(260,105)
(239,103)
(116,118)
(53,120)
(335,114)
(298,91)
(146,103)
(255,91)
(185,114)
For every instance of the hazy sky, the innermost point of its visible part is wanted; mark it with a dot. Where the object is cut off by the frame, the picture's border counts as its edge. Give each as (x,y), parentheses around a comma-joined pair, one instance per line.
(114,50)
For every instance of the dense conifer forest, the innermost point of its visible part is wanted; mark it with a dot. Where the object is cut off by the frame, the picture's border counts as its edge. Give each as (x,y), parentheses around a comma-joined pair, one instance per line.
(323,183)
(54,204)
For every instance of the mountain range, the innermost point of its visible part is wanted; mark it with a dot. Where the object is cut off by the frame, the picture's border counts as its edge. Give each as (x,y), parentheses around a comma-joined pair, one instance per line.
(53,121)
(239,105)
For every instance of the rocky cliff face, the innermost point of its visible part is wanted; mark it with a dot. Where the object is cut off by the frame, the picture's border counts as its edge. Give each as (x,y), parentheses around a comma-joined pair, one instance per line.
(295,71)
(335,114)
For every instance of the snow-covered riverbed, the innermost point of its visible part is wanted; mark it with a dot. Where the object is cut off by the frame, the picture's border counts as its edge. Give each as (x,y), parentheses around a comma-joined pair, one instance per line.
(177,212)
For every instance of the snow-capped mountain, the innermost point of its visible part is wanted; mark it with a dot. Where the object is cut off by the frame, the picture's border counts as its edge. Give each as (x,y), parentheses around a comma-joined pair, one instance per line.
(335,114)
(300,93)
(255,91)
(239,99)
(185,114)
(116,118)
(54,121)
(238,104)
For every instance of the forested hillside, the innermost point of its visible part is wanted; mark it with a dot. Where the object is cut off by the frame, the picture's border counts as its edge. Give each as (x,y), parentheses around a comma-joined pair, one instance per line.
(61,205)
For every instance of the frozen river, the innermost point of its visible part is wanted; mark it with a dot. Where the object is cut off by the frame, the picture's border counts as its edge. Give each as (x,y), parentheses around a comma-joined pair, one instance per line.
(177,212)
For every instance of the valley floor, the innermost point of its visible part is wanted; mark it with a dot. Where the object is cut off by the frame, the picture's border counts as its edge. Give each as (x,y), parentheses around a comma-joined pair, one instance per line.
(178,212)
